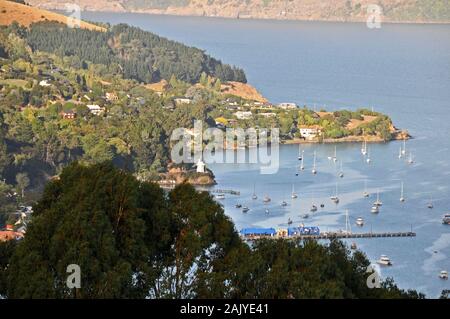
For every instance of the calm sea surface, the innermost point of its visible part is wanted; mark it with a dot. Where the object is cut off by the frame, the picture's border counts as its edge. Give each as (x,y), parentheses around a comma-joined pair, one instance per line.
(402,70)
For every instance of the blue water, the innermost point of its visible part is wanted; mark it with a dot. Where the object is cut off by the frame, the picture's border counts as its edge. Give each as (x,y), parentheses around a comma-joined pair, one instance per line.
(402,70)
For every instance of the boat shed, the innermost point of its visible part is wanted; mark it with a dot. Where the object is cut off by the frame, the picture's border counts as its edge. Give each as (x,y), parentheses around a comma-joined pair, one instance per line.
(258,232)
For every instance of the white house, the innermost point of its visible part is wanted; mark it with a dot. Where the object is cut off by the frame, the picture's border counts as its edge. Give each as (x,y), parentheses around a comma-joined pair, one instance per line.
(287,106)
(268,114)
(182,100)
(44,83)
(310,132)
(111,96)
(95,109)
(200,166)
(243,115)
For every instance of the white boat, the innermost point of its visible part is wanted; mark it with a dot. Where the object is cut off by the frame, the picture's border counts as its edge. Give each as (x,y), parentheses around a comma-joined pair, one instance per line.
(245,209)
(365,193)
(267,211)
(443,274)
(360,221)
(313,208)
(335,197)
(293,194)
(430,203)
(335,154)
(220,196)
(283,204)
(410,159)
(314,170)
(384,261)
(305,216)
(266,199)
(254,197)
(378,202)
(402,196)
(238,206)
(368,160)
(375,209)
(446,219)
(364,148)
(302,165)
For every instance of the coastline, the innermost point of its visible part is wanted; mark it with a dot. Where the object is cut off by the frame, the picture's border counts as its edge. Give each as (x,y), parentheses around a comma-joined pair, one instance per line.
(252,18)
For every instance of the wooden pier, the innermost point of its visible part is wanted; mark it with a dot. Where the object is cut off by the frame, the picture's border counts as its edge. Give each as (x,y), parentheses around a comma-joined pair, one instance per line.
(225,191)
(335,236)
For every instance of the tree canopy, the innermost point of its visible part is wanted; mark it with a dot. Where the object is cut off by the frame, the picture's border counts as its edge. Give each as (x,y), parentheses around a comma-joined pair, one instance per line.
(133,240)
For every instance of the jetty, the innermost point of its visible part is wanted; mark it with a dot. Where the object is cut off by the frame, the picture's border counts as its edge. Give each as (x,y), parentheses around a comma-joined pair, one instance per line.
(225,191)
(334,235)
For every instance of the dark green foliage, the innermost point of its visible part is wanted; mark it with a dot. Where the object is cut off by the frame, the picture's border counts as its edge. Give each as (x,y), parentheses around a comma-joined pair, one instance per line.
(142,55)
(133,241)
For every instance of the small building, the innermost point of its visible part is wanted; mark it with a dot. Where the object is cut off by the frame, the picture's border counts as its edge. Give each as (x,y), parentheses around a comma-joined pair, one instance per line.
(95,109)
(310,132)
(252,232)
(200,166)
(243,115)
(287,106)
(70,115)
(268,114)
(44,83)
(8,235)
(182,100)
(112,97)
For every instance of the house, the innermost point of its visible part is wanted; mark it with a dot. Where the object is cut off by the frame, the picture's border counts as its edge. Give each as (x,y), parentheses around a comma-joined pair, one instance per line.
(7,235)
(287,106)
(268,114)
(112,97)
(243,115)
(95,109)
(182,100)
(310,132)
(70,115)
(44,83)
(200,166)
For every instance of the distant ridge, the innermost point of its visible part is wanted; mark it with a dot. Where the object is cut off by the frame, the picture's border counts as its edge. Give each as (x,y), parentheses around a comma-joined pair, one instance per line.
(25,15)
(404,11)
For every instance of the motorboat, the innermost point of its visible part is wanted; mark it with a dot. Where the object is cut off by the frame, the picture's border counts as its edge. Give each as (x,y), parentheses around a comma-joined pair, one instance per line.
(245,209)
(446,219)
(384,261)
(375,209)
(360,221)
(443,274)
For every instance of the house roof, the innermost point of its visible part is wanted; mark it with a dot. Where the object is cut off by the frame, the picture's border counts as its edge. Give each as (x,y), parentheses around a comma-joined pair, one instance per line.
(9,235)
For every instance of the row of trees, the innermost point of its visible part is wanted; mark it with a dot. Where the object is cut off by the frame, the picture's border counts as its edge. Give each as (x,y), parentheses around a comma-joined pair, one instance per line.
(132,240)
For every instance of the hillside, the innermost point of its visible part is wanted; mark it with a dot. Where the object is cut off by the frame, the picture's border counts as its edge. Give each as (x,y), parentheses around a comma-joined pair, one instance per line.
(26,15)
(422,11)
